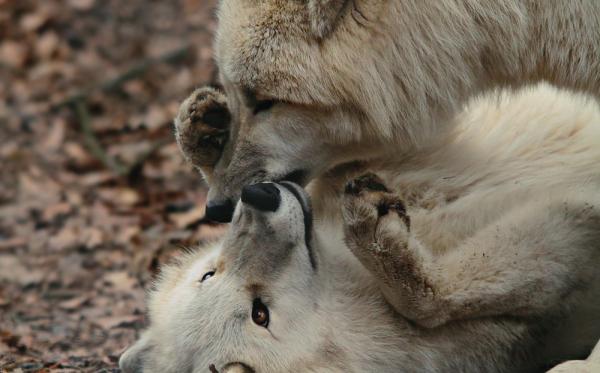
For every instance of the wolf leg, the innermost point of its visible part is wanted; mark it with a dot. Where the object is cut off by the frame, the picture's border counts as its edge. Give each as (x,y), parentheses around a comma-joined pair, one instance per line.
(525,265)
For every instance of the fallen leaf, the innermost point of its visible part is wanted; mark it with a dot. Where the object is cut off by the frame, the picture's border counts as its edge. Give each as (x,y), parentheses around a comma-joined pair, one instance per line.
(121,281)
(74,303)
(110,322)
(184,219)
(13,54)
(12,243)
(119,196)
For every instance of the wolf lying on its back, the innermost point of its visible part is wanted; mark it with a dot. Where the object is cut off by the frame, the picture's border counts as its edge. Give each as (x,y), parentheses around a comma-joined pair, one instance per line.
(275,297)
(484,259)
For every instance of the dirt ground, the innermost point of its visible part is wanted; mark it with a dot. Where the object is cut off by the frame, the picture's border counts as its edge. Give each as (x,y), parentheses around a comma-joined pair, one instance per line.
(93,192)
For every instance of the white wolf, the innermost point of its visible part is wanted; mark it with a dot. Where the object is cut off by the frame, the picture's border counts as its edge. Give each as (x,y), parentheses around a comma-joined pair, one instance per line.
(276,297)
(483,258)
(313,84)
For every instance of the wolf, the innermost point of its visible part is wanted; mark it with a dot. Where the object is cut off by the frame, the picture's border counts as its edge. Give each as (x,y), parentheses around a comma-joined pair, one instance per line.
(275,295)
(311,85)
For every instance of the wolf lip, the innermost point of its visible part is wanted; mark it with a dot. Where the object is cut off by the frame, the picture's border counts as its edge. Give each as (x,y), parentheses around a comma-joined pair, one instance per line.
(304,201)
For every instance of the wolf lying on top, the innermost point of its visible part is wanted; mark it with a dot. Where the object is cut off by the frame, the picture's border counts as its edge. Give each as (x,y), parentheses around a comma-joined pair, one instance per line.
(274,296)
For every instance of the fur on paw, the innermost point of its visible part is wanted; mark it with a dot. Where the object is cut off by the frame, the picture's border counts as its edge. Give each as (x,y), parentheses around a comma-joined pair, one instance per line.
(367,199)
(202,127)
(375,219)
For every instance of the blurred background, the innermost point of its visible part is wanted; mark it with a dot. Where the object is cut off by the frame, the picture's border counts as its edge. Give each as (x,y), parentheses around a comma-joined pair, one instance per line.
(94,194)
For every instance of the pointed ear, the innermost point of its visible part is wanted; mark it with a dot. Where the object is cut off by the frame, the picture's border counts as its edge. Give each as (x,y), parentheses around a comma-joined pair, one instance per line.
(324,15)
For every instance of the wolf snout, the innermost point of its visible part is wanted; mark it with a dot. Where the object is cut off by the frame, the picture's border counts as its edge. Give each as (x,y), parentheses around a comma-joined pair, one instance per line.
(262,196)
(220,211)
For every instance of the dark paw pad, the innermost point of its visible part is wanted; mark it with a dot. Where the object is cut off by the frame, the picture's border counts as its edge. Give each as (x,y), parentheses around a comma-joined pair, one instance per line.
(368,182)
(393,204)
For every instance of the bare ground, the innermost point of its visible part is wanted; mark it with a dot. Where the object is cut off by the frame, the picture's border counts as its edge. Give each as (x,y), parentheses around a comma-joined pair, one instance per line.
(93,192)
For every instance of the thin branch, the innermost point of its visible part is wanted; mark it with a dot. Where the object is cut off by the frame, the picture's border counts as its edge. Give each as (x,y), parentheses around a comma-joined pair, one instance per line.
(94,146)
(132,73)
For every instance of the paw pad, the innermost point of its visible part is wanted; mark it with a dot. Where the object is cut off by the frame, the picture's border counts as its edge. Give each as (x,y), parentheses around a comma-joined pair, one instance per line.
(368,182)
(202,127)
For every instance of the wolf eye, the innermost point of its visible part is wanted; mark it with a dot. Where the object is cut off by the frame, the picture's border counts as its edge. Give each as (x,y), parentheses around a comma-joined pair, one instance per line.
(207,275)
(260,313)
(263,105)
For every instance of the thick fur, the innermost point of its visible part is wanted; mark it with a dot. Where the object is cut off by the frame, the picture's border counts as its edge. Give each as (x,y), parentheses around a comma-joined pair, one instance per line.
(332,316)
(499,219)
(355,80)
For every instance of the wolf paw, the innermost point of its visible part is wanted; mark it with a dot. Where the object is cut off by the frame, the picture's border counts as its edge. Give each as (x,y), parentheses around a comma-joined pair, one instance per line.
(376,224)
(202,127)
(368,201)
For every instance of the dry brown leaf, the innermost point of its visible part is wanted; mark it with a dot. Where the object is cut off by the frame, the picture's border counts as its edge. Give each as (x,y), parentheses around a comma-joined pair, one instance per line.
(78,153)
(56,136)
(156,117)
(121,281)
(33,21)
(66,238)
(119,196)
(47,45)
(184,219)
(13,54)
(74,303)
(52,211)
(110,322)
(12,243)
(92,237)
(211,232)
(96,178)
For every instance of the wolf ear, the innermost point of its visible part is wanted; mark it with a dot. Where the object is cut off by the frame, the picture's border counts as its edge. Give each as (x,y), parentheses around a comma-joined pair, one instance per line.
(324,15)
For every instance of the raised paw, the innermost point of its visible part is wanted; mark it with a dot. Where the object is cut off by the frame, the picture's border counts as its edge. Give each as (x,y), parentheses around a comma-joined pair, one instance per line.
(367,200)
(202,127)
(375,220)
(377,231)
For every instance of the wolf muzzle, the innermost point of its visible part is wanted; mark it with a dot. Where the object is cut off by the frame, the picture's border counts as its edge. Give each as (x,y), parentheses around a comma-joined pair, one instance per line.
(262,196)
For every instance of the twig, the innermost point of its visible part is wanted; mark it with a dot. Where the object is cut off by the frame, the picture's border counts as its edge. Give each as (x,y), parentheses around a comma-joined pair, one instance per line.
(98,151)
(94,146)
(132,73)
(78,103)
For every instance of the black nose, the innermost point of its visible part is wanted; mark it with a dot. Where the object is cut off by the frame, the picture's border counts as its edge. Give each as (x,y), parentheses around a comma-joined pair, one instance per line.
(220,211)
(262,196)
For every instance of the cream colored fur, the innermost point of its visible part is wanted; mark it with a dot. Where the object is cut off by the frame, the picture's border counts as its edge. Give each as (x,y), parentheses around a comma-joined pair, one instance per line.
(484,259)
(331,318)
(502,200)
(355,80)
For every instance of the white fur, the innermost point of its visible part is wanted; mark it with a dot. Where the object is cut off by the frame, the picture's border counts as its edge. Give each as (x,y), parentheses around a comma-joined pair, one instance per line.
(504,210)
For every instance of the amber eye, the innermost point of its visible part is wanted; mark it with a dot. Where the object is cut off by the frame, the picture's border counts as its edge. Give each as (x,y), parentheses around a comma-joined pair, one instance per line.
(207,275)
(260,313)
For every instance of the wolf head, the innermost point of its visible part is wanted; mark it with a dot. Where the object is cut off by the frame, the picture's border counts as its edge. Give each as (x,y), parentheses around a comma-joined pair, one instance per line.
(245,305)
(300,94)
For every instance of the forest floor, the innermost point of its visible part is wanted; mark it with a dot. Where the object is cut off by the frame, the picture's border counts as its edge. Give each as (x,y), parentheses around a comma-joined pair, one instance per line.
(94,194)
